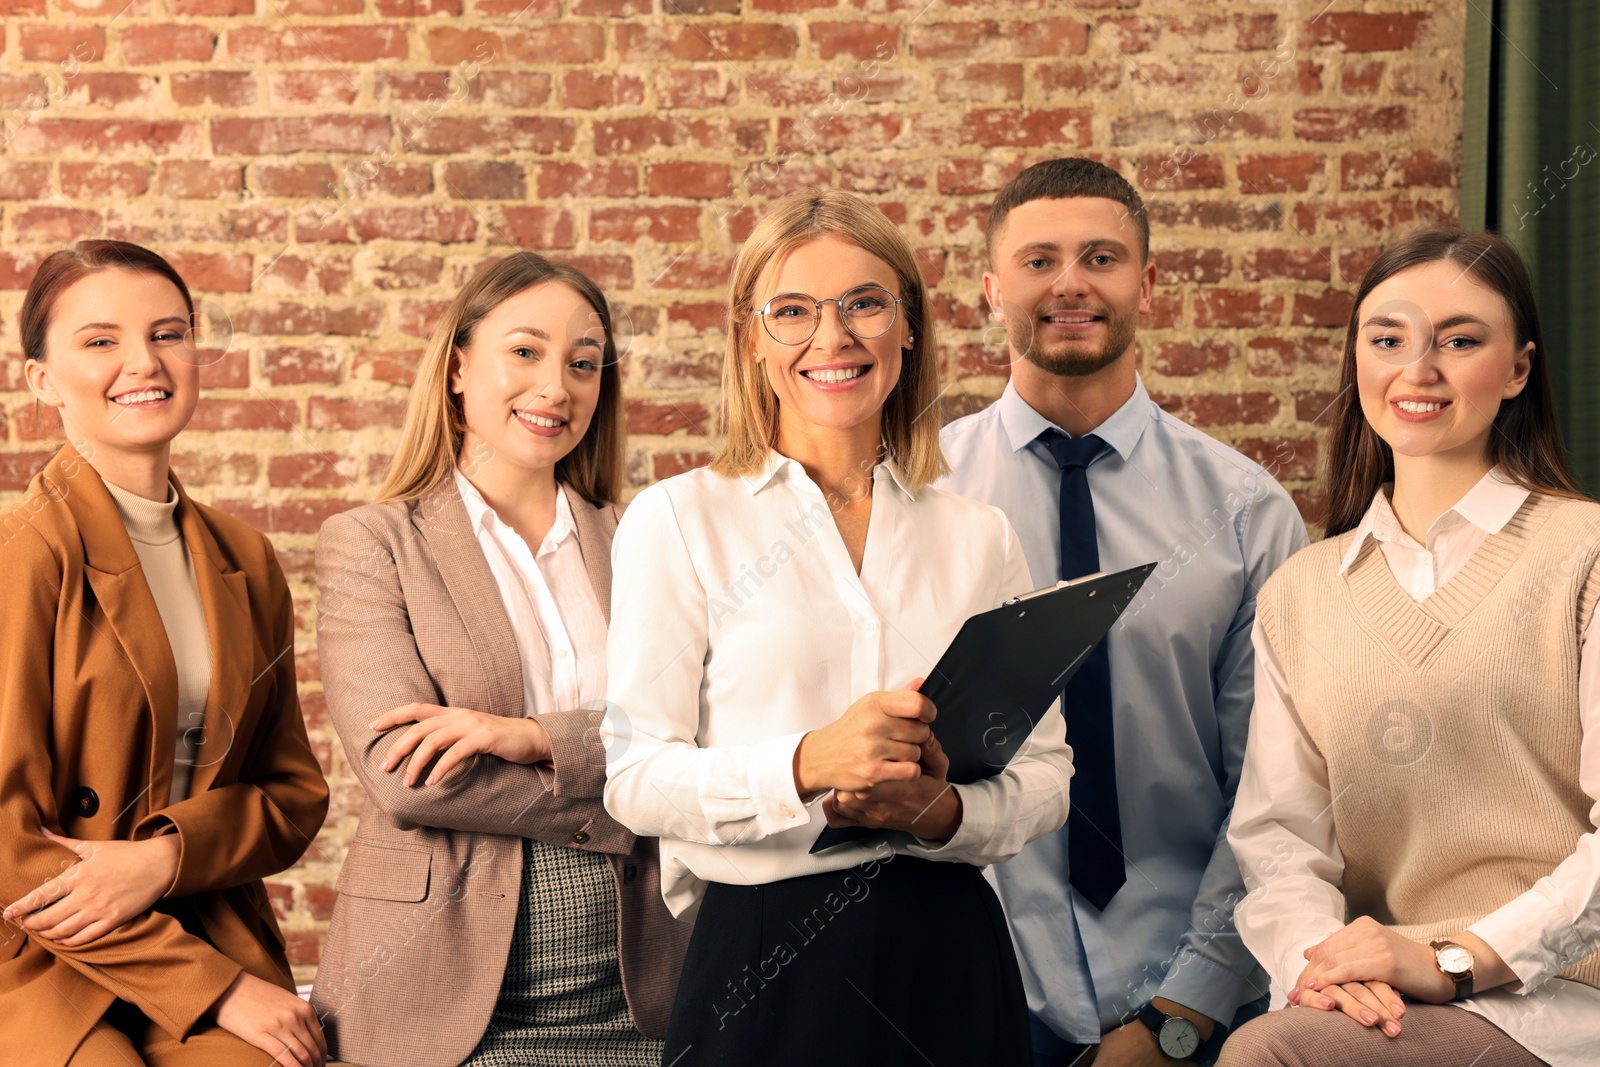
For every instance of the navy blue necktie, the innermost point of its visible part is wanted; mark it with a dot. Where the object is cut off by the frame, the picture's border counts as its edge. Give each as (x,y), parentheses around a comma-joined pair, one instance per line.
(1094,823)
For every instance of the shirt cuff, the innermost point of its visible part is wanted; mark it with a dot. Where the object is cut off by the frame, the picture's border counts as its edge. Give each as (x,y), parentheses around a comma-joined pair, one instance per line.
(1200,985)
(1520,932)
(772,786)
(971,837)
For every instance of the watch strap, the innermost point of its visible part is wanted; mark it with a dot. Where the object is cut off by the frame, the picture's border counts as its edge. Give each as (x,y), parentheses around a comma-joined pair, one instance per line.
(1463,983)
(1154,1018)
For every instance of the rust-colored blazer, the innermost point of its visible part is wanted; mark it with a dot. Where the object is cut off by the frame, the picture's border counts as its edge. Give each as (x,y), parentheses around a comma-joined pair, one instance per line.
(88,720)
(429,893)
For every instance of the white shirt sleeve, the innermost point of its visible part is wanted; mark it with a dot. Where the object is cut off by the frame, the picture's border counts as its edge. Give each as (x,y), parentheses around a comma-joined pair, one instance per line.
(659,782)
(1029,798)
(1282,831)
(1557,922)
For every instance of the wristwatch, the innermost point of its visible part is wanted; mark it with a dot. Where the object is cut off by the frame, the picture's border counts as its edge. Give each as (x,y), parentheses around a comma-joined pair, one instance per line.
(1177,1037)
(1456,963)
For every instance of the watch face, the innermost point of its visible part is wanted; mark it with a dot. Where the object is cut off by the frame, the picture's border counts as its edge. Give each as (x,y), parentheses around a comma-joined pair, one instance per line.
(1179,1038)
(1453,960)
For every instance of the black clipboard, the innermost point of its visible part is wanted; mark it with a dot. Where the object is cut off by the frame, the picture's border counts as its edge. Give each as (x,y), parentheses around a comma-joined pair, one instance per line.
(1003,670)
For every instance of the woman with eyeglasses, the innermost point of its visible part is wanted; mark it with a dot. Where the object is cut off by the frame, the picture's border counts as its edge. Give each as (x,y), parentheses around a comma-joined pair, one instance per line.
(774,616)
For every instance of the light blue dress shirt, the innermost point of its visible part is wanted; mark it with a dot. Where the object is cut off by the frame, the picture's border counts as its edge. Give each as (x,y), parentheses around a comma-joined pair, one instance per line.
(1182,682)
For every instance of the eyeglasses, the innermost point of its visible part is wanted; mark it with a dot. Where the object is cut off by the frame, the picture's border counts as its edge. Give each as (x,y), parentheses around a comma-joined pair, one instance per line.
(867,311)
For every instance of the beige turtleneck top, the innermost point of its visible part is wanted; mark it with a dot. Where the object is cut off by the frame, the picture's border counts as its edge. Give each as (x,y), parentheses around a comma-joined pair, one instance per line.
(153,528)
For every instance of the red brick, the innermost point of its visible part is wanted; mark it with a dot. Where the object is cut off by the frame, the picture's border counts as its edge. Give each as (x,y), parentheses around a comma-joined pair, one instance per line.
(61,44)
(316,44)
(296,179)
(311,470)
(587,8)
(1229,409)
(209,8)
(214,272)
(670,223)
(1346,124)
(979,83)
(216,468)
(586,179)
(1204,265)
(280,136)
(695,181)
(667,464)
(225,88)
(290,517)
(416,9)
(195,179)
(1280,174)
(1393,170)
(34,422)
(662,417)
(1049,38)
(1361,78)
(111,90)
(18,468)
(144,46)
(590,89)
(314,88)
(1187,358)
(418,222)
(1296,264)
(1353,262)
(539,227)
(24,181)
(1286,459)
(1356,31)
(214,414)
(394,367)
(787,88)
(296,366)
(1277,357)
(696,88)
(1315,406)
(1082,76)
(1343,217)
(858,40)
(332,413)
(991,128)
(100,138)
(485,180)
(696,270)
(539,134)
(1330,308)
(1179,171)
(320,899)
(317,7)
(224,370)
(293,319)
(57,225)
(1236,307)
(708,41)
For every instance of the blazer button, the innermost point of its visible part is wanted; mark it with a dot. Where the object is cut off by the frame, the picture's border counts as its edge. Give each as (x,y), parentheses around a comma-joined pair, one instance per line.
(85,802)
(629,873)
(580,837)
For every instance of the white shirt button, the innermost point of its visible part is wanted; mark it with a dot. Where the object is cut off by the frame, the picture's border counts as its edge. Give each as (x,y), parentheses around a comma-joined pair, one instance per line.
(561,653)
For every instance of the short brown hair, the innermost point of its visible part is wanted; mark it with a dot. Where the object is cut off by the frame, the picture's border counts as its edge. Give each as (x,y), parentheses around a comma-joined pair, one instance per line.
(61,270)
(1059,178)
(430,442)
(1526,439)
(750,408)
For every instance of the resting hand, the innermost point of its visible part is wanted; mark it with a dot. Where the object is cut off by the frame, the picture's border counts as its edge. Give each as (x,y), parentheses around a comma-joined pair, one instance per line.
(273,1020)
(112,882)
(1367,951)
(1368,1003)
(459,734)
(878,739)
(925,806)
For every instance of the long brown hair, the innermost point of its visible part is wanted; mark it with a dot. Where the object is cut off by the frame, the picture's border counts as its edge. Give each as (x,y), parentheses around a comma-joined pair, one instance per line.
(1526,439)
(63,269)
(749,406)
(430,442)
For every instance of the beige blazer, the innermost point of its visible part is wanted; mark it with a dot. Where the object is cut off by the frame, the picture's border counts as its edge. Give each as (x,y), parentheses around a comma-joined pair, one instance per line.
(88,723)
(428,895)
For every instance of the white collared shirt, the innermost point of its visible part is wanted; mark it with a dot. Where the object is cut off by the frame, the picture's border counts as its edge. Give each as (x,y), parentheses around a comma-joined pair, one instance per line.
(1559,1020)
(555,616)
(1450,541)
(739,623)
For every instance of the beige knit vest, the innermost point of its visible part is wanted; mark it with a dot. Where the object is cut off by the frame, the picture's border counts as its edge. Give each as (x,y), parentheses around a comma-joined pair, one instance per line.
(1450,727)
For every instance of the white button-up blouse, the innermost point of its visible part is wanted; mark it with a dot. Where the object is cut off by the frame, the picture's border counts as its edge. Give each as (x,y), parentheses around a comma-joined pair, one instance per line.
(739,623)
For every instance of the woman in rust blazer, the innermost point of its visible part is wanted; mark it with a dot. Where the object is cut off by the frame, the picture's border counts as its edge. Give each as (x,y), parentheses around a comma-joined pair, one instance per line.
(132,845)
(490,911)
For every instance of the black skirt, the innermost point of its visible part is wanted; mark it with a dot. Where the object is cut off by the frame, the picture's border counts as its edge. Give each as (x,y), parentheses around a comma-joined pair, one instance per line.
(896,961)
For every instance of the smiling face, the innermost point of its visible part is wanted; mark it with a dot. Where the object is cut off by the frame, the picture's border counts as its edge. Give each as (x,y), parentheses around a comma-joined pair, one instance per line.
(1069,283)
(120,364)
(835,380)
(529,379)
(1436,354)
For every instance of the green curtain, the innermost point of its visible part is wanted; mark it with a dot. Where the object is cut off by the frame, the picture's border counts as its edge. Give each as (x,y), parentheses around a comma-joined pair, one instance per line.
(1531,171)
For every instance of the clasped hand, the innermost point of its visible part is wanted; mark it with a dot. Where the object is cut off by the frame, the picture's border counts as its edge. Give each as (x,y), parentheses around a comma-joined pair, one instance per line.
(110,883)
(1363,969)
(459,734)
(884,765)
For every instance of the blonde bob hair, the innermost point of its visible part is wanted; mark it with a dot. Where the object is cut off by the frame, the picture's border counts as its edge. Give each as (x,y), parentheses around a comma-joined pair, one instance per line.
(430,443)
(749,406)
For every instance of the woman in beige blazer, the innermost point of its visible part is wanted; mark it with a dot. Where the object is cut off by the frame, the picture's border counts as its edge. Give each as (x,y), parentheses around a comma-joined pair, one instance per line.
(490,912)
(154,765)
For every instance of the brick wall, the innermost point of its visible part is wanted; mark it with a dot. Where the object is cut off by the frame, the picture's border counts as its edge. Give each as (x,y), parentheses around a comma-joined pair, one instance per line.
(326,172)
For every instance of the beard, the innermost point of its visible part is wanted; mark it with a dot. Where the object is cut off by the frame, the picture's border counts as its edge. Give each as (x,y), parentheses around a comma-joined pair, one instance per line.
(1070,358)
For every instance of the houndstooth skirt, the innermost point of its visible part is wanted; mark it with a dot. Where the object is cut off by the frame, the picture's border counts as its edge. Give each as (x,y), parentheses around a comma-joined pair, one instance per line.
(561,1002)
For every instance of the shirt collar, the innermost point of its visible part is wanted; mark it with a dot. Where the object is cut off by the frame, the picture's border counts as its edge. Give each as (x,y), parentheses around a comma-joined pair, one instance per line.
(1121,430)
(483,517)
(1488,505)
(777,462)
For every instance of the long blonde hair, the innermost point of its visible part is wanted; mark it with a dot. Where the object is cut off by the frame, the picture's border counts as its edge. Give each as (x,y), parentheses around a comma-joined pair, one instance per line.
(430,442)
(749,406)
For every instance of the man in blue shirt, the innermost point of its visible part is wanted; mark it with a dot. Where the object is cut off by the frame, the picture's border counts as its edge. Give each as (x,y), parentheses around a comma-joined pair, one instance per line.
(1123,920)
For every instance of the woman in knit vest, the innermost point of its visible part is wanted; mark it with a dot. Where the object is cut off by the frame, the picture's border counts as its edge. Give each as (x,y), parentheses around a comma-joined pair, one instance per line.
(1416,820)
(154,767)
